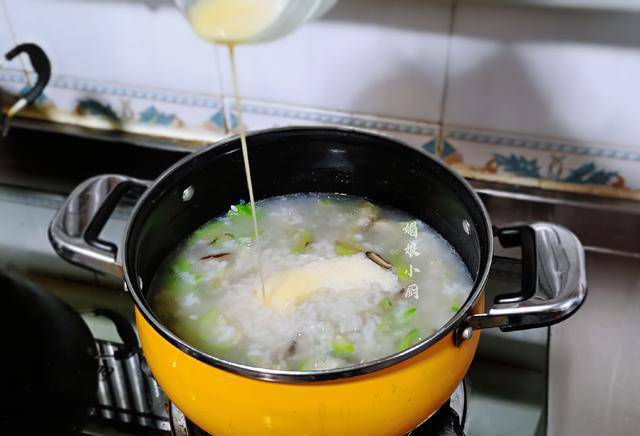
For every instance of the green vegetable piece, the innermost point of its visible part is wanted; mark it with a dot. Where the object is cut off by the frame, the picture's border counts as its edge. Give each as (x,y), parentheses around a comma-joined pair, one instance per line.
(342,348)
(402,270)
(386,303)
(241,210)
(227,236)
(209,232)
(346,248)
(240,223)
(209,320)
(324,202)
(409,312)
(305,365)
(303,239)
(400,267)
(409,339)
(206,327)
(455,307)
(177,287)
(181,280)
(181,265)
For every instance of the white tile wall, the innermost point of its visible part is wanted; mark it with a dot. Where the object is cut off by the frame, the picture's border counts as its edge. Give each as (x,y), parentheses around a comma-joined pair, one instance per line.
(6,41)
(562,73)
(15,67)
(544,87)
(375,56)
(138,43)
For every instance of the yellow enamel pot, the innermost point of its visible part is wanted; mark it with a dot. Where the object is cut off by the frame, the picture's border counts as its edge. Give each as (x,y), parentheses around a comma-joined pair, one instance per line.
(393,400)
(388,396)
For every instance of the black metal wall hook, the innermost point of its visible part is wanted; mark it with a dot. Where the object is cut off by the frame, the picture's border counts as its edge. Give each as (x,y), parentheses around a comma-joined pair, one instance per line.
(41,65)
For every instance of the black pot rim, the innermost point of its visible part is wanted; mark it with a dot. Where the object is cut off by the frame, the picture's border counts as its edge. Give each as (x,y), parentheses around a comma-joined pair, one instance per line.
(307,376)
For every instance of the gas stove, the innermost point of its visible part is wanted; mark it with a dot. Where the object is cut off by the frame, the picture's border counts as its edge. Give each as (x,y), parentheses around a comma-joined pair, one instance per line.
(504,393)
(129,400)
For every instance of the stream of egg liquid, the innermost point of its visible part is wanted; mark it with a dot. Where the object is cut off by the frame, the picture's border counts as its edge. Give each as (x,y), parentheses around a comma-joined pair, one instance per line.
(247,167)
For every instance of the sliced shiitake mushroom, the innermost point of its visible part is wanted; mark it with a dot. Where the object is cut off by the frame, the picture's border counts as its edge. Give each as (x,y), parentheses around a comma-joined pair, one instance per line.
(215,256)
(375,257)
(291,350)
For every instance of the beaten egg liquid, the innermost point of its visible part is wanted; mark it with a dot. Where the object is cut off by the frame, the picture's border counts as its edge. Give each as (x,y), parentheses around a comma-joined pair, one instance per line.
(232,22)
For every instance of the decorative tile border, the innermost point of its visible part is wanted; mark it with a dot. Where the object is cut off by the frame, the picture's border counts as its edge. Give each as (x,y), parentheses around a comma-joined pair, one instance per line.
(582,168)
(261,115)
(201,119)
(539,144)
(95,87)
(190,119)
(334,118)
(599,169)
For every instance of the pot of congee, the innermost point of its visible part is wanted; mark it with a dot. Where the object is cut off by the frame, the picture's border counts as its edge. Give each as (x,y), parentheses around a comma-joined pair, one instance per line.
(348,301)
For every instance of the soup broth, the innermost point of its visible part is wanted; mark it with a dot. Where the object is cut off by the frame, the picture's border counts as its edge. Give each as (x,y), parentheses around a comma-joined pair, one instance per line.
(346,281)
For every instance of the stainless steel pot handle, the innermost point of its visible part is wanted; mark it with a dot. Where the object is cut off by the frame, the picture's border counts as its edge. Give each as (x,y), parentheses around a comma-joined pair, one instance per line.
(554,282)
(75,229)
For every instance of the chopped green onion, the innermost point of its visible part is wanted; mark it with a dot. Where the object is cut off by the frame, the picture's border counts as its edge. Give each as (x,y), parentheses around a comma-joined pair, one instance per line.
(209,319)
(182,265)
(346,248)
(177,286)
(386,303)
(210,229)
(455,307)
(342,348)
(207,328)
(324,202)
(303,239)
(400,267)
(304,365)
(409,339)
(240,209)
(410,311)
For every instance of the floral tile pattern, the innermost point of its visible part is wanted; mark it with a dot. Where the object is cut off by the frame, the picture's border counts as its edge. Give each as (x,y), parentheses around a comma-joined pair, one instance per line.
(197,119)
(262,115)
(586,168)
(200,119)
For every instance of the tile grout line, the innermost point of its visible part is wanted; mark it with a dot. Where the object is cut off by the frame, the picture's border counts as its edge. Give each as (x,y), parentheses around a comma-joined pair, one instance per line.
(445,84)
